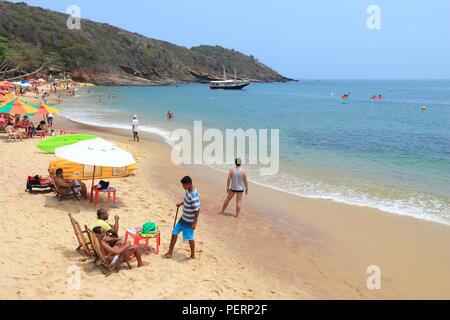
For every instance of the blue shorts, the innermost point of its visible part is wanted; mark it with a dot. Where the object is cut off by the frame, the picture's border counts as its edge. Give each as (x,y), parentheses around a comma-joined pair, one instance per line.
(186,228)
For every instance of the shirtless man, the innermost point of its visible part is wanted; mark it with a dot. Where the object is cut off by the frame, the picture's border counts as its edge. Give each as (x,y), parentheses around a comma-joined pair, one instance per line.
(117,254)
(68,186)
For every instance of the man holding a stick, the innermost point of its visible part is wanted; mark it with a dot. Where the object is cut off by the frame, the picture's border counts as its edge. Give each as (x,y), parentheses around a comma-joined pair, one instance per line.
(188,221)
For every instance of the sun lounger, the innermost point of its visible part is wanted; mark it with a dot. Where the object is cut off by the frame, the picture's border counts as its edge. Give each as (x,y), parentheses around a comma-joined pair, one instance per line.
(101,260)
(60,194)
(85,246)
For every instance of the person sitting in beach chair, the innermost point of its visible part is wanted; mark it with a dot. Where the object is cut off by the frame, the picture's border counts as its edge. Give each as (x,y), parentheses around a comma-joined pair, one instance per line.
(118,254)
(13,134)
(102,221)
(67,186)
(42,128)
(31,130)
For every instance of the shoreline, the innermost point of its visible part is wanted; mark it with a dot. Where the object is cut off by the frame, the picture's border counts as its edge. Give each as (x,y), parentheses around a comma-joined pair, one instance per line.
(282,247)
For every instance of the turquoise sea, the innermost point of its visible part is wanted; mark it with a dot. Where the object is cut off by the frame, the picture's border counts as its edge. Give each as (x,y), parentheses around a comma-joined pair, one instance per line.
(385,154)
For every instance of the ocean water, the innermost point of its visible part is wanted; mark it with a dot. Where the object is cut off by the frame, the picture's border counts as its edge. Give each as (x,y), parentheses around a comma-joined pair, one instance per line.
(386,154)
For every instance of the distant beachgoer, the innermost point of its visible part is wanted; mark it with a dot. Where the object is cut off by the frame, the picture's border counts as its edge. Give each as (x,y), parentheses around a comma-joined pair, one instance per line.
(31,130)
(188,221)
(237,184)
(170,115)
(42,126)
(50,119)
(135,128)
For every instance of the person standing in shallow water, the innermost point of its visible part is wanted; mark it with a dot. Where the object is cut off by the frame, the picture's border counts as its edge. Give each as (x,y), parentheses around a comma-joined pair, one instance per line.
(237,184)
(135,128)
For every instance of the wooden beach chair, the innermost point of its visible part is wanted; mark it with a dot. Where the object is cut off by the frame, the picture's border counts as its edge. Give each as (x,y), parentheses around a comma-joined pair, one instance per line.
(100,259)
(84,245)
(59,194)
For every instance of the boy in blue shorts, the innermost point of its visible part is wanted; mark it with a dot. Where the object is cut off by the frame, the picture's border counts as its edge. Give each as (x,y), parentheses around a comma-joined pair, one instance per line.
(188,222)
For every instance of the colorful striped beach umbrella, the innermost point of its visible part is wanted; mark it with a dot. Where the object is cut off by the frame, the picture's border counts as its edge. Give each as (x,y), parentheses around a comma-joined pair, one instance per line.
(46,109)
(18,107)
(4,99)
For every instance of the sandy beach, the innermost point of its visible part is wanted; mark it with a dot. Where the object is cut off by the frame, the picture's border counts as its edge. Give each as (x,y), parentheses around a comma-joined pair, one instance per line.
(282,247)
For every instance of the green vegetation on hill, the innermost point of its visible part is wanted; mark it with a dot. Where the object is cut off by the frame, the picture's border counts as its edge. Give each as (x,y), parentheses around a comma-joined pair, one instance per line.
(104,54)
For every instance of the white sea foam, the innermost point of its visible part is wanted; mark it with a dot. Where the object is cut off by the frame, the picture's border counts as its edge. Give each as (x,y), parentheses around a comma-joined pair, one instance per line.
(87,117)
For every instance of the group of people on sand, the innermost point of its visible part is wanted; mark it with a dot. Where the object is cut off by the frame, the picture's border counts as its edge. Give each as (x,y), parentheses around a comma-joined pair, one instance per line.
(114,247)
(118,251)
(24,128)
(237,186)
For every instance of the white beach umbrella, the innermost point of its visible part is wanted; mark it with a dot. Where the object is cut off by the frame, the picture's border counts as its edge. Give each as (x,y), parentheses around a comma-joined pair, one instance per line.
(97,153)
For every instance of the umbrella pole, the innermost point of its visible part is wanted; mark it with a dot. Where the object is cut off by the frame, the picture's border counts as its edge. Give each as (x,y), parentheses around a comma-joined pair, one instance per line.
(92,186)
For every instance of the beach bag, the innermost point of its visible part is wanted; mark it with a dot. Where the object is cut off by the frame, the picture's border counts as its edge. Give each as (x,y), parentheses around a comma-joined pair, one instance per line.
(103,185)
(149,229)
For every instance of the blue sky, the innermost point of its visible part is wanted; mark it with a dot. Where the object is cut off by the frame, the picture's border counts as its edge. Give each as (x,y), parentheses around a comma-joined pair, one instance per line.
(320,39)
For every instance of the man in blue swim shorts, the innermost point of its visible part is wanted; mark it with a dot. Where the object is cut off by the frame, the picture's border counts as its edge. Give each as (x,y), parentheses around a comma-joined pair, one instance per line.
(188,222)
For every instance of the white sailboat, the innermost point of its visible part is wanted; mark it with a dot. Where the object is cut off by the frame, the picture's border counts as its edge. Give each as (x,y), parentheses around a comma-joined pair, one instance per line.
(229,84)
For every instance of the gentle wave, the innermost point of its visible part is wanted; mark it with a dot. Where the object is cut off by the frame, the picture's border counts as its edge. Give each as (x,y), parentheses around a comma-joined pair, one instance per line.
(85,119)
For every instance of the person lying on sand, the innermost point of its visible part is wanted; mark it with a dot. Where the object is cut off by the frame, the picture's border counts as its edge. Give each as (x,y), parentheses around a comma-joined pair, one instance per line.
(66,186)
(118,254)
(102,221)
(188,222)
